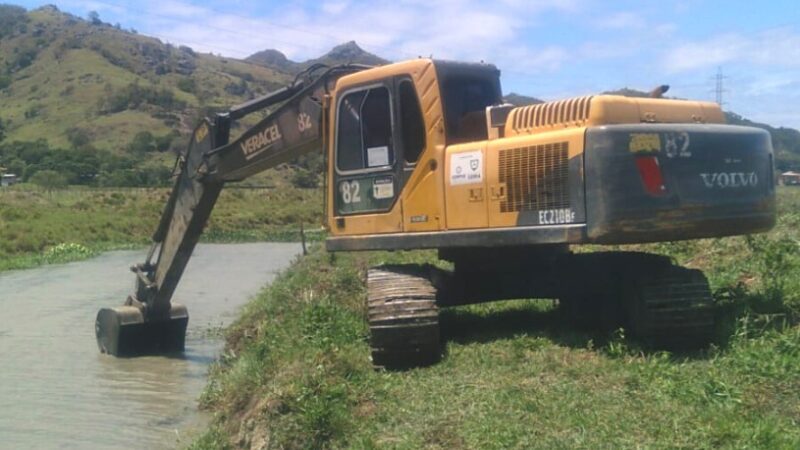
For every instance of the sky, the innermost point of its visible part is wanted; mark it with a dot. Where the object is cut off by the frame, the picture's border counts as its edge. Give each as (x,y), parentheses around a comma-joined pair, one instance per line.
(550,49)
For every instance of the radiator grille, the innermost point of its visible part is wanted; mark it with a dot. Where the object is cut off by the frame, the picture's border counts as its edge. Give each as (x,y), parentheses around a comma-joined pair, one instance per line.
(536,177)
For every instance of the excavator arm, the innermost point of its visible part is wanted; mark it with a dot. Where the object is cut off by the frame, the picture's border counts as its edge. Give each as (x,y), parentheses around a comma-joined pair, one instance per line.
(149,322)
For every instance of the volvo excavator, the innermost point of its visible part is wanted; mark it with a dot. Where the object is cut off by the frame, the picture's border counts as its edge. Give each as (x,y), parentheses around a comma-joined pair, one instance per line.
(424,154)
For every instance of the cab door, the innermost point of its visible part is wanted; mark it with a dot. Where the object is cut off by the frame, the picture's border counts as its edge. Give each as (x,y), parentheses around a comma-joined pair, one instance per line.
(367,175)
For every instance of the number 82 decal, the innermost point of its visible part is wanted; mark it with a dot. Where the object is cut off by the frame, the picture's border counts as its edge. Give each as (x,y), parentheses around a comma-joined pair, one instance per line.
(350,192)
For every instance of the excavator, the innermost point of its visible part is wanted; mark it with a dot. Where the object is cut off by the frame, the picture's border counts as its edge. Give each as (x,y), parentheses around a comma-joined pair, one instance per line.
(425,154)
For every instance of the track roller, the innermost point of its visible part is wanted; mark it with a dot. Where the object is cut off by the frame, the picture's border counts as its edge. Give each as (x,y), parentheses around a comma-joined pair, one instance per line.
(125,331)
(403,316)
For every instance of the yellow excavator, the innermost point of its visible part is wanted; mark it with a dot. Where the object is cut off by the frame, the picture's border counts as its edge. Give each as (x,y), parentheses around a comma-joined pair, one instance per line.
(424,154)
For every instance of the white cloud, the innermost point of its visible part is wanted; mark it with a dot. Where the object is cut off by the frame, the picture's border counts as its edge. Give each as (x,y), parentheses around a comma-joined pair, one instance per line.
(778,47)
(334,7)
(455,29)
(622,20)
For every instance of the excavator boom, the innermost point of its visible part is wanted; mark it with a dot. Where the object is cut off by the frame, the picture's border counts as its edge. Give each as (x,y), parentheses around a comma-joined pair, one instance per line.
(149,322)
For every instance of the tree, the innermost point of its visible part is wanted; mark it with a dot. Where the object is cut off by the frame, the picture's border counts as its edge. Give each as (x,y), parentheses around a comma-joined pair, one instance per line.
(142,143)
(77,137)
(2,130)
(49,180)
(12,18)
(94,18)
(303,178)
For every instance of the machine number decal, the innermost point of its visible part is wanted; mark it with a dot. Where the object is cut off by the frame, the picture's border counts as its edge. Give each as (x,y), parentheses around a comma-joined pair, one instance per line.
(556,216)
(677,145)
(466,168)
(350,192)
(303,122)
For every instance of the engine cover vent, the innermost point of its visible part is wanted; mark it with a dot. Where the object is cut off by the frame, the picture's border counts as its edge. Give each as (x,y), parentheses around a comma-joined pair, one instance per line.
(536,177)
(565,113)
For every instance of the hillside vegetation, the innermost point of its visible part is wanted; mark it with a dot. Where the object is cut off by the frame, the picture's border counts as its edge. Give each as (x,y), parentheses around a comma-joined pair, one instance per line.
(296,371)
(63,73)
(105,106)
(116,105)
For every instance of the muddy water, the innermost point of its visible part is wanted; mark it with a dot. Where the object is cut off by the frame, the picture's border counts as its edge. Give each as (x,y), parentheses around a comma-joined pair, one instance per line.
(58,391)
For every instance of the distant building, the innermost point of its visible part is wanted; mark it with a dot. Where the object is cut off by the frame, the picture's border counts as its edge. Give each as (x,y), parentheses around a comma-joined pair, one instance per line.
(8,179)
(790,178)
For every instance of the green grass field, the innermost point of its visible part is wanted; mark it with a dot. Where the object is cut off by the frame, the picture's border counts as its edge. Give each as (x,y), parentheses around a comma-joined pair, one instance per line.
(297,374)
(34,222)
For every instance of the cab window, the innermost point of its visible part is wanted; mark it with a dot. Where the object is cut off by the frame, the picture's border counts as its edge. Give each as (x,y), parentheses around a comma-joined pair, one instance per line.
(465,101)
(413,125)
(364,139)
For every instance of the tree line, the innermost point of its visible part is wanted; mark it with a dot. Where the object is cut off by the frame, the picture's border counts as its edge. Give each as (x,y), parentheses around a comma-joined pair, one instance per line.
(83,164)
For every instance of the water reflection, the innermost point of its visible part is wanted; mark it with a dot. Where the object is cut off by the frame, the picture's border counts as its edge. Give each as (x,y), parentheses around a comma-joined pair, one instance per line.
(56,390)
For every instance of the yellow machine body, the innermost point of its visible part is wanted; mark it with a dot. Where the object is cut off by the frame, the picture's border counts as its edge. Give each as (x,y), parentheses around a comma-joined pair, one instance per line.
(513,167)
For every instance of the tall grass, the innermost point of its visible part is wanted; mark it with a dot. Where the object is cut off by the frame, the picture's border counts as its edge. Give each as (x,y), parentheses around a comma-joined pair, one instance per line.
(34,223)
(296,372)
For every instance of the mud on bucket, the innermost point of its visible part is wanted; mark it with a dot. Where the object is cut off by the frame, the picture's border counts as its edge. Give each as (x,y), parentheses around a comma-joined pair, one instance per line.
(123,331)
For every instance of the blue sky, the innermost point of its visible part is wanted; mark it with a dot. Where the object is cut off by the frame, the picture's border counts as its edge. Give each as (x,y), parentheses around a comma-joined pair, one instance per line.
(545,48)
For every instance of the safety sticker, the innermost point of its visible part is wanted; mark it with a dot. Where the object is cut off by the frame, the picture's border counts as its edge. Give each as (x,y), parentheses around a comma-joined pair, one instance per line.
(382,188)
(466,168)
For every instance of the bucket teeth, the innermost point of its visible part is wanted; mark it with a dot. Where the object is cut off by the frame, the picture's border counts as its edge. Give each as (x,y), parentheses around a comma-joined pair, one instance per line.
(124,331)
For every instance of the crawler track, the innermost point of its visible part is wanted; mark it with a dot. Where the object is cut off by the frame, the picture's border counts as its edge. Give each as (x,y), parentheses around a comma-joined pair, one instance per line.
(673,308)
(403,316)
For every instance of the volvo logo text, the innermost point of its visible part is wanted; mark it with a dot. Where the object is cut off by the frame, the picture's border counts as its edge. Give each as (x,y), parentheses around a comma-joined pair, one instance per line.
(726,180)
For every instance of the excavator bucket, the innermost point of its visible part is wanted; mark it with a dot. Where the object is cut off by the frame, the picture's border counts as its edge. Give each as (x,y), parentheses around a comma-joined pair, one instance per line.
(123,331)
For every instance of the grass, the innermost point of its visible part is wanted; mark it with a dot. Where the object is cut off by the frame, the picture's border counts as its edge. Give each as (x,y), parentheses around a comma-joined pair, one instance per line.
(34,224)
(296,371)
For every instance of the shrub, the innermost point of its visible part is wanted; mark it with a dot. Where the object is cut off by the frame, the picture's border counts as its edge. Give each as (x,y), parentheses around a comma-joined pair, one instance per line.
(187,85)
(67,252)
(49,180)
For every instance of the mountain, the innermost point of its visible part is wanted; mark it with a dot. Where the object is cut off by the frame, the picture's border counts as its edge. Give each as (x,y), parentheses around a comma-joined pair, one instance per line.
(274,59)
(521,100)
(61,75)
(345,53)
(75,82)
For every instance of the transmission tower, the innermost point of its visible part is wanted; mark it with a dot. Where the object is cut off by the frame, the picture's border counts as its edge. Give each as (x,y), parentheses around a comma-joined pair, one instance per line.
(719,90)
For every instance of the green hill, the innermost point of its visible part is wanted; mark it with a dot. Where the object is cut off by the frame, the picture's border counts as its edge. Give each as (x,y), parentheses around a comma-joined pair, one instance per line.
(77,83)
(63,74)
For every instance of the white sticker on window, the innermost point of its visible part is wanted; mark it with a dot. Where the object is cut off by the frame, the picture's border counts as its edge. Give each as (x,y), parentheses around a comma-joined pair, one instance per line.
(382,188)
(378,156)
(466,168)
